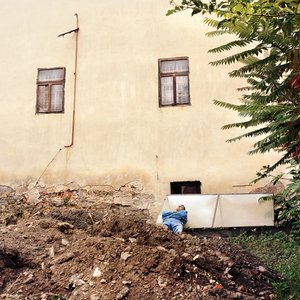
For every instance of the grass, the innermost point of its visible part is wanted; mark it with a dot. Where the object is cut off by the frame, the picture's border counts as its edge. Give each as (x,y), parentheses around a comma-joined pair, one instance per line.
(281,252)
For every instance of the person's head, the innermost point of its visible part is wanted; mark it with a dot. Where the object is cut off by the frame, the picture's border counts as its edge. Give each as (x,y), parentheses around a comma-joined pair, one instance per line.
(180,207)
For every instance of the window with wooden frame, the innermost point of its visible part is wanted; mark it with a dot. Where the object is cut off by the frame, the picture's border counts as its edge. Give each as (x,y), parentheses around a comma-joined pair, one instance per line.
(50,90)
(174,81)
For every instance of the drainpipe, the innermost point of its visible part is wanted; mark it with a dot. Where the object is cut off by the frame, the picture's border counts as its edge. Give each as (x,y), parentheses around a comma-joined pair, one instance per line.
(75,79)
(76,30)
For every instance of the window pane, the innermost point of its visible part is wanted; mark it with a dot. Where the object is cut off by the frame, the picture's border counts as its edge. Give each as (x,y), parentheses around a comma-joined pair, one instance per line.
(51,75)
(56,97)
(42,101)
(168,66)
(182,65)
(182,89)
(166,90)
(172,66)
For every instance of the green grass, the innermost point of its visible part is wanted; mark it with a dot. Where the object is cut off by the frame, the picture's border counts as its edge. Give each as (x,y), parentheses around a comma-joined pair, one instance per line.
(281,252)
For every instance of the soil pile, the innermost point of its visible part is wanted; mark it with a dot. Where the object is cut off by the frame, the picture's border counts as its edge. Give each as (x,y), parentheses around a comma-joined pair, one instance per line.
(109,251)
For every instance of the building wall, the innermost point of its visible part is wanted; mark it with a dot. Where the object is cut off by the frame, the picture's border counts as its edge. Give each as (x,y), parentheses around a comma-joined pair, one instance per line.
(121,134)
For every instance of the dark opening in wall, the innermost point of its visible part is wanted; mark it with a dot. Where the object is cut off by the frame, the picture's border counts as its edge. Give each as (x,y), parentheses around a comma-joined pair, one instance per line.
(185,187)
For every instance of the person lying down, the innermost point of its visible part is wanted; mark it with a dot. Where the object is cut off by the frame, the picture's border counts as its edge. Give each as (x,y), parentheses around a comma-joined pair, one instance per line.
(175,220)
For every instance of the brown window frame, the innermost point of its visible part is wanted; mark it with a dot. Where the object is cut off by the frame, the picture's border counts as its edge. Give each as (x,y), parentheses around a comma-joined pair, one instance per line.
(49,85)
(174,75)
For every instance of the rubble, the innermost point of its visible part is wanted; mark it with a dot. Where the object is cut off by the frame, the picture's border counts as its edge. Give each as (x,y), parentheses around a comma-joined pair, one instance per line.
(100,250)
(270,188)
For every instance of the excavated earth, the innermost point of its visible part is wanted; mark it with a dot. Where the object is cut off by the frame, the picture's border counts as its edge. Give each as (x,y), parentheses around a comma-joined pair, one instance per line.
(83,250)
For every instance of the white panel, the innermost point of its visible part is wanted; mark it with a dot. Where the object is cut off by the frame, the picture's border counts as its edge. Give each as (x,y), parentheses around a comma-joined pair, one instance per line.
(200,208)
(232,210)
(166,207)
(244,210)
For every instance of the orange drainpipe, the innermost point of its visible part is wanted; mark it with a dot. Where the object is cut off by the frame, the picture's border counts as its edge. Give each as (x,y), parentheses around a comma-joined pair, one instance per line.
(75,80)
(74,98)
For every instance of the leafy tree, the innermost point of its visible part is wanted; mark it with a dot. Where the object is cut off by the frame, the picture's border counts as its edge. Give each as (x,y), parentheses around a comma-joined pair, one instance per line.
(267,34)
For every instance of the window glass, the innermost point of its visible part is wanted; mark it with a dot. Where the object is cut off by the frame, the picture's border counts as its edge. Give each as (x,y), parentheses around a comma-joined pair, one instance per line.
(56,97)
(171,66)
(182,91)
(167,90)
(51,75)
(42,98)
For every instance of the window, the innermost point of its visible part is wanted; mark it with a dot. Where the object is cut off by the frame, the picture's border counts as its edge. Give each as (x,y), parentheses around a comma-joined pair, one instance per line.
(50,90)
(174,81)
(185,187)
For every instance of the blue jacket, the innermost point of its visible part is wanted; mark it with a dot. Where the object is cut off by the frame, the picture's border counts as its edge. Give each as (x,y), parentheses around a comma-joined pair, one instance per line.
(180,215)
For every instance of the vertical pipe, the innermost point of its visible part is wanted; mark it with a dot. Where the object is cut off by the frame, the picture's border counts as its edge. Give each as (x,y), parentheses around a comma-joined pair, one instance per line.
(74,99)
(75,83)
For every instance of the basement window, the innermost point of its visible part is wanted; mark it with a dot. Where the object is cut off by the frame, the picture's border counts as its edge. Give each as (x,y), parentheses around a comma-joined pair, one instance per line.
(185,187)
(174,81)
(50,90)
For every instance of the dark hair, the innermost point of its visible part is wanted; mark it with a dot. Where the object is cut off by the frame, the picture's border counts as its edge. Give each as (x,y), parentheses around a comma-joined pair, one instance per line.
(182,206)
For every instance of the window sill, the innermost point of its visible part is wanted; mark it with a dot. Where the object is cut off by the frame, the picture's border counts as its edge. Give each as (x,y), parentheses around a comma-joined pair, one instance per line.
(175,105)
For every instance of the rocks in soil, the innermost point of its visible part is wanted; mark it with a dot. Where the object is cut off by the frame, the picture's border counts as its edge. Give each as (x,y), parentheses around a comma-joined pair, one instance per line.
(125,255)
(162,282)
(110,252)
(123,293)
(97,272)
(64,258)
(6,191)
(65,226)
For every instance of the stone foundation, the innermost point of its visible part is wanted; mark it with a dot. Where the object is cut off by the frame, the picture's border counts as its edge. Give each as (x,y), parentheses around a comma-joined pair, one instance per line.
(13,201)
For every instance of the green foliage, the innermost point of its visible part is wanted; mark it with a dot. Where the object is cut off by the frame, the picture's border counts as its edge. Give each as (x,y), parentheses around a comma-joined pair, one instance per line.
(66,201)
(281,252)
(238,9)
(269,100)
(270,31)
(287,203)
(267,43)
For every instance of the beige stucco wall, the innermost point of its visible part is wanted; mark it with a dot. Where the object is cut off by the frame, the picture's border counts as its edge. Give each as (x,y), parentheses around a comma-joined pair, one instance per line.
(121,134)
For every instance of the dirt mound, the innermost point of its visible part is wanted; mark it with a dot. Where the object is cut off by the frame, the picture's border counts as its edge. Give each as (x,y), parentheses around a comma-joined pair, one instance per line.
(111,252)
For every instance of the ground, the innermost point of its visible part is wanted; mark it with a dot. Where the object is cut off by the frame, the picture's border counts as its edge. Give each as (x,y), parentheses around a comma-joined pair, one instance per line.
(80,249)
